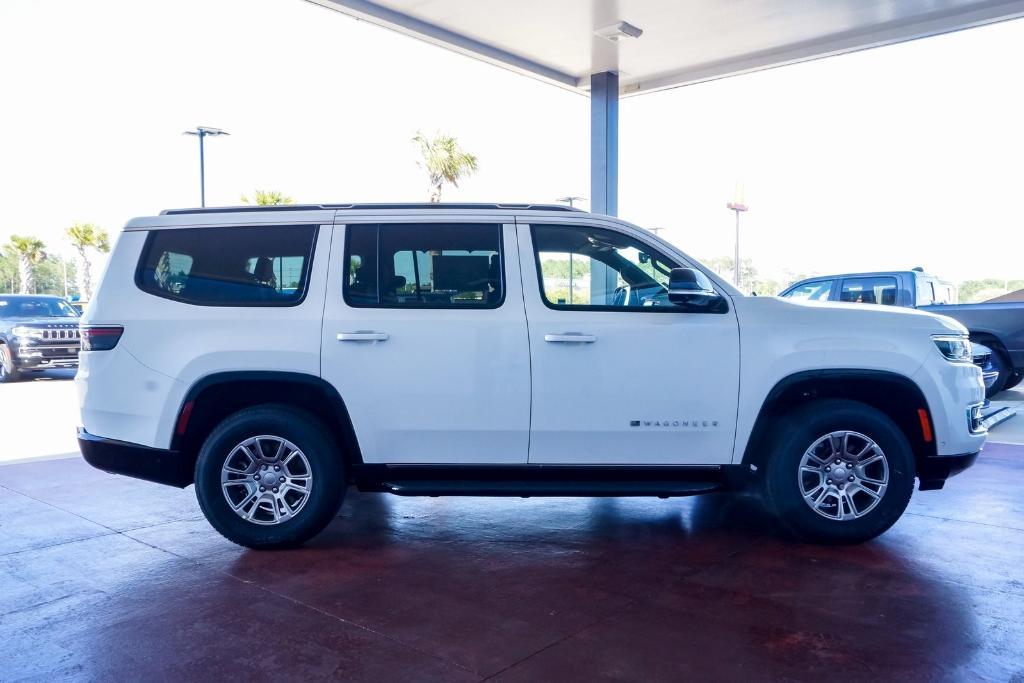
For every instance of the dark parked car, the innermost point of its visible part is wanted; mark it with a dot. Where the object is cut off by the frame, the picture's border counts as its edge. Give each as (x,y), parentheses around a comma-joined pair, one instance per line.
(36,333)
(999,325)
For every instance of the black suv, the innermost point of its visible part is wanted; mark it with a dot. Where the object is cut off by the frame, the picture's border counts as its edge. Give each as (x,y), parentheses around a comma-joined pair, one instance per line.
(36,333)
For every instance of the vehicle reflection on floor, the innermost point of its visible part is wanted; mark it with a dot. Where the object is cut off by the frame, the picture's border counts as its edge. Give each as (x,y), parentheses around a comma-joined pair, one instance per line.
(107,577)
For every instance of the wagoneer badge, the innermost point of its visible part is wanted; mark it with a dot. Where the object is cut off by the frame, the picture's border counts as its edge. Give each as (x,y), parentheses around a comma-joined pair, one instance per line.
(678,424)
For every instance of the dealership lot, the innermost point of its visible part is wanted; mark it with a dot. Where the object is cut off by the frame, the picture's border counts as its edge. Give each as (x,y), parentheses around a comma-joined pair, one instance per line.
(106,577)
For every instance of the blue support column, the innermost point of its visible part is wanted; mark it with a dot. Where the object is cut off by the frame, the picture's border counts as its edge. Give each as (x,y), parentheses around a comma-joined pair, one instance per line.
(604,171)
(604,143)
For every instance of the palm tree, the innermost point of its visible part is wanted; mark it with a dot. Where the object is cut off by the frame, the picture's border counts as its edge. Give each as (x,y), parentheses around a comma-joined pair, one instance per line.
(444,161)
(85,236)
(268,198)
(29,251)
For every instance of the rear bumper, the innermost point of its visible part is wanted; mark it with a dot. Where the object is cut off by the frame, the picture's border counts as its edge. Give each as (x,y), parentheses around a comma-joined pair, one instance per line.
(132,460)
(935,470)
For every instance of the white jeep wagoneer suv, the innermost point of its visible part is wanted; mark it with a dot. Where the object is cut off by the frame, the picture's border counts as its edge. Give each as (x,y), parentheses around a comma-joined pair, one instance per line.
(274,356)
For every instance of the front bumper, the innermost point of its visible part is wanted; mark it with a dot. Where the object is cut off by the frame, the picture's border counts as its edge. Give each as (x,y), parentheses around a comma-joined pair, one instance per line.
(933,471)
(40,356)
(132,460)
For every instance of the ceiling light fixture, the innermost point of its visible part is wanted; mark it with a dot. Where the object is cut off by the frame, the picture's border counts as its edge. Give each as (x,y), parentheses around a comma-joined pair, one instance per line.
(618,31)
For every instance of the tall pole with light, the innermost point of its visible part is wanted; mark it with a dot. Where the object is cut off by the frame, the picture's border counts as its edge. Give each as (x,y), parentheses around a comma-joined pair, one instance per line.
(738,205)
(202,132)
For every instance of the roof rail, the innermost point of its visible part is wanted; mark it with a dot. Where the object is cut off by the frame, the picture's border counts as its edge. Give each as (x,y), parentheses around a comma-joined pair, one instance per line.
(399,205)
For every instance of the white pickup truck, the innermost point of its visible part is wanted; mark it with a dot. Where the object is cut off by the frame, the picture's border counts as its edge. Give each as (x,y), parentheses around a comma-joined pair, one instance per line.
(273,356)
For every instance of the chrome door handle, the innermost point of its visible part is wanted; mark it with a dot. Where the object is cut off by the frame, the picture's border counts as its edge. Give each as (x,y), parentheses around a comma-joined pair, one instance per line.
(362,336)
(571,338)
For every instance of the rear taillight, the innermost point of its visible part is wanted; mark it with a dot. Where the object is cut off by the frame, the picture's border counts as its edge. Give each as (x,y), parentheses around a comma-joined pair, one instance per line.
(100,337)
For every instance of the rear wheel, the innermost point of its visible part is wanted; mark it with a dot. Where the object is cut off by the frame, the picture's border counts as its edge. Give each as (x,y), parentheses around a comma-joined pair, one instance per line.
(840,472)
(269,477)
(8,370)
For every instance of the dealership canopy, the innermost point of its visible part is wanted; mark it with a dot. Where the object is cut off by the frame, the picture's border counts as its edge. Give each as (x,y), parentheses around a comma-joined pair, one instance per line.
(620,48)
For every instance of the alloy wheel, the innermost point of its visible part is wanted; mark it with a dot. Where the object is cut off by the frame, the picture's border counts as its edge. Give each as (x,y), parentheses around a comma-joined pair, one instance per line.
(843,475)
(266,480)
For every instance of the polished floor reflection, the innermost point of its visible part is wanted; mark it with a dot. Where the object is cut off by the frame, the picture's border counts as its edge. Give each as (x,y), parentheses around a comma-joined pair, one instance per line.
(108,578)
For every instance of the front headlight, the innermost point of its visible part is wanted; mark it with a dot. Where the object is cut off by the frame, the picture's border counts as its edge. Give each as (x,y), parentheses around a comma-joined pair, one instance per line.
(954,347)
(28,332)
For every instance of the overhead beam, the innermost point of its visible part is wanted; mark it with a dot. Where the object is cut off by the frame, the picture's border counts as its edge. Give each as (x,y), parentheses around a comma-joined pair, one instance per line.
(945,20)
(442,37)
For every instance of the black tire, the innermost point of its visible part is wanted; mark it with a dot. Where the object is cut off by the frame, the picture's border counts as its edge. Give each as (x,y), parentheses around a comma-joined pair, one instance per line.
(328,483)
(1001,364)
(9,372)
(1014,379)
(797,432)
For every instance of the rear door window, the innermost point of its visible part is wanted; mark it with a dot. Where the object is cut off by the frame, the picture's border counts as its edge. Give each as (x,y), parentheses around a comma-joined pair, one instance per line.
(234,266)
(430,265)
(869,290)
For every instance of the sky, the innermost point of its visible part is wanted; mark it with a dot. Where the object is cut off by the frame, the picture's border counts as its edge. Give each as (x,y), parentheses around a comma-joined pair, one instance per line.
(902,156)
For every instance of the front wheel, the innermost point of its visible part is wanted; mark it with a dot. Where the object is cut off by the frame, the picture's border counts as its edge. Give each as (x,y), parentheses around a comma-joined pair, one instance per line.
(840,472)
(8,370)
(269,477)
(1001,364)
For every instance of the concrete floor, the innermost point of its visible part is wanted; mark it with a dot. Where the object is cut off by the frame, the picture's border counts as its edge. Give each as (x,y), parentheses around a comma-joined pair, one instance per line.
(108,578)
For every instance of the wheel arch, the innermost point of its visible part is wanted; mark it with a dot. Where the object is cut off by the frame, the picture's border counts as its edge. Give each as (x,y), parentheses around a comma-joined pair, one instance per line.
(895,395)
(214,397)
(991,340)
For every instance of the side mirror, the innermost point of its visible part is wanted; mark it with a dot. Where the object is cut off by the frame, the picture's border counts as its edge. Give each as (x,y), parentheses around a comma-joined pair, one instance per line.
(692,291)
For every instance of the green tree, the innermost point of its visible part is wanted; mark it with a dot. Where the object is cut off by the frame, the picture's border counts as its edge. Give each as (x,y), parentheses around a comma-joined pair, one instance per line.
(973,291)
(268,198)
(28,251)
(444,161)
(723,265)
(8,271)
(86,236)
(49,275)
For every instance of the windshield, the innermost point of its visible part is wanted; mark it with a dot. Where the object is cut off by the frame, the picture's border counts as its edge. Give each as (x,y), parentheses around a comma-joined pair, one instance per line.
(43,307)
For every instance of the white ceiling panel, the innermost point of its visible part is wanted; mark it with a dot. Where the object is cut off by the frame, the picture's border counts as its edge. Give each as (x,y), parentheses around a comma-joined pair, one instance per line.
(683,41)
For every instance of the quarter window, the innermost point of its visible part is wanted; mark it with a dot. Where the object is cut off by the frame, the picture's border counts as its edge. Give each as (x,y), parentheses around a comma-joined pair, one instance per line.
(869,290)
(433,265)
(593,268)
(238,266)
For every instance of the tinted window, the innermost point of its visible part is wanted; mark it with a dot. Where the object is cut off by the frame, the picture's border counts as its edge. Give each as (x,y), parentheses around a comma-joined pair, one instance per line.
(18,307)
(812,291)
(247,266)
(433,265)
(869,290)
(591,267)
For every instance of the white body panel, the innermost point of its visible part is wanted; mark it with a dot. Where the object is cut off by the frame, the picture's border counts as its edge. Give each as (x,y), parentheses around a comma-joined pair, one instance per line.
(445,386)
(454,386)
(184,343)
(783,337)
(645,388)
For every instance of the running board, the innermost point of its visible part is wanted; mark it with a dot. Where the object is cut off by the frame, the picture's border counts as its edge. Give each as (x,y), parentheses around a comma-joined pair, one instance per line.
(526,489)
(997,416)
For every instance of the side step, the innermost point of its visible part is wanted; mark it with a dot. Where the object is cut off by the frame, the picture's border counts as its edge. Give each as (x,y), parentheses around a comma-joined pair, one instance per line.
(992,417)
(527,488)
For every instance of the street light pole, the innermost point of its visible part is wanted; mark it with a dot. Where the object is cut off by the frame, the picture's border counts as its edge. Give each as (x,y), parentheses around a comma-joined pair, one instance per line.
(737,207)
(202,132)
